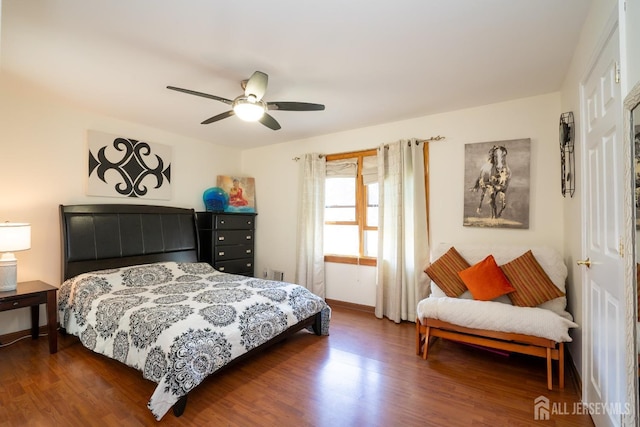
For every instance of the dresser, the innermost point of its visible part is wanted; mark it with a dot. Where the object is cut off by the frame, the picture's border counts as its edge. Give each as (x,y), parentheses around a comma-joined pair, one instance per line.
(226,241)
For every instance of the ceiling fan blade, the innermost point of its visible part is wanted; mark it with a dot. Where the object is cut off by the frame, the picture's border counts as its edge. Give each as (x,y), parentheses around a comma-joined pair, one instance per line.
(257,85)
(294,106)
(204,95)
(218,117)
(269,122)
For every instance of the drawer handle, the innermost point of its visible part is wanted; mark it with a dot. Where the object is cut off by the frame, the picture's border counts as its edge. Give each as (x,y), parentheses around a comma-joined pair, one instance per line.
(221,268)
(221,238)
(248,251)
(248,264)
(222,221)
(248,237)
(17,303)
(248,222)
(221,253)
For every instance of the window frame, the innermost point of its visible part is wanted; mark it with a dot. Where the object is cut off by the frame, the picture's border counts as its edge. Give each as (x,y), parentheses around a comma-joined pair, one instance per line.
(361,212)
(362,260)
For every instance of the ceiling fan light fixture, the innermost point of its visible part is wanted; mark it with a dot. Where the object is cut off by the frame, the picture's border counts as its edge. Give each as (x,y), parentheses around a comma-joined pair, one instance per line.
(249,108)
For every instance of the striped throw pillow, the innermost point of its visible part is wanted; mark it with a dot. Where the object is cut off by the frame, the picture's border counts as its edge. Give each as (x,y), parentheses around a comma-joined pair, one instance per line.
(533,285)
(444,273)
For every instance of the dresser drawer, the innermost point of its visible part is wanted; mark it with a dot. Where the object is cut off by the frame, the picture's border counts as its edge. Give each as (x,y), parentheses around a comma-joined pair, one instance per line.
(223,253)
(232,237)
(238,266)
(226,222)
(10,304)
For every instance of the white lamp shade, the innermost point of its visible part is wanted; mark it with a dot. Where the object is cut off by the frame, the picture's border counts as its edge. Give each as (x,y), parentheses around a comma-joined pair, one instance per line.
(15,236)
(248,110)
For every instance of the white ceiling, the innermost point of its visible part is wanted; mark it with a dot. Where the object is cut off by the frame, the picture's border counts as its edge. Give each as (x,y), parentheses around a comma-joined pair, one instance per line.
(370,62)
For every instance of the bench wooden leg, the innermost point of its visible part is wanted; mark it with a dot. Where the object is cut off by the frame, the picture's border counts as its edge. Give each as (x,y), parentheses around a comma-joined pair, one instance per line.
(561,364)
(426,343)
(549,370)
(424,339)
(418,337)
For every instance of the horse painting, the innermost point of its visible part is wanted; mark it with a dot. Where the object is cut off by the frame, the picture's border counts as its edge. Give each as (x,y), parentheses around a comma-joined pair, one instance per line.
(494,181)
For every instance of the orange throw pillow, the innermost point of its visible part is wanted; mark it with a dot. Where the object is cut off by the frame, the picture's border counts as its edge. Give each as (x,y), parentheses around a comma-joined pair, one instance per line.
(533,286)
(485,280)
(444,273)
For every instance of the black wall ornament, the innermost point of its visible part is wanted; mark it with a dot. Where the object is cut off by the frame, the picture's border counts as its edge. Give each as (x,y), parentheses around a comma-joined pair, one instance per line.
(125,167)
(567,154)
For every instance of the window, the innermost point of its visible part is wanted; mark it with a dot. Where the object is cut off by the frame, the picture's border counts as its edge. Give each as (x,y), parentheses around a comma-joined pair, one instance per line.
(351,208)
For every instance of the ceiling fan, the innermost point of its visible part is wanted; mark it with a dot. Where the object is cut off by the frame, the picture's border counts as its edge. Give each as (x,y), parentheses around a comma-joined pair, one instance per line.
(250,106)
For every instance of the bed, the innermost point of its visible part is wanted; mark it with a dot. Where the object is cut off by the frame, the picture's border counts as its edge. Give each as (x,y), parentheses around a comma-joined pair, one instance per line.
(534,328)
(133,290)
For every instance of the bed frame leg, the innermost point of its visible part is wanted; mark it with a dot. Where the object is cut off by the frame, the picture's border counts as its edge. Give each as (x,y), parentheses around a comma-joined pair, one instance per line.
(179,406)
(317,324)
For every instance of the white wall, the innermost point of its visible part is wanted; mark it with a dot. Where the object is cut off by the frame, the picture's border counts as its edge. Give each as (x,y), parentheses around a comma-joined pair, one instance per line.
(536,118)
(43,163)
(44,144)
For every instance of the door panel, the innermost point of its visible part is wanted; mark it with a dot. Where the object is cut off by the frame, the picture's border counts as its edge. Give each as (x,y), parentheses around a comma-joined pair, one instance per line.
(604,346)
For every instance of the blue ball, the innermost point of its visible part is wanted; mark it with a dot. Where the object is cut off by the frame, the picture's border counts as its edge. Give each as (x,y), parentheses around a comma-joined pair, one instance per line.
(215,199)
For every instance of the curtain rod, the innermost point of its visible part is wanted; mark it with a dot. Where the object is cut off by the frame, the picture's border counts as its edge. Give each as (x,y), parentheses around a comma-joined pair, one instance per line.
(433,138)
(298,158)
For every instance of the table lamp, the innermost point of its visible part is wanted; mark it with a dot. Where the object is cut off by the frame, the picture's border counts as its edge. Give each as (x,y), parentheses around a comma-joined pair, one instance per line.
(13,237)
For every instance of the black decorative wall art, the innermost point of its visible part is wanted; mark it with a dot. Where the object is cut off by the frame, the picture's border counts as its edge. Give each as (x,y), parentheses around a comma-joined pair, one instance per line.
(567,154)
(125,167)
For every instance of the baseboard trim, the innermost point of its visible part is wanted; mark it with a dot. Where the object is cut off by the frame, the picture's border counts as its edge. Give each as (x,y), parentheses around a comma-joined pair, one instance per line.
(575,375)
(351,306)
(13,336)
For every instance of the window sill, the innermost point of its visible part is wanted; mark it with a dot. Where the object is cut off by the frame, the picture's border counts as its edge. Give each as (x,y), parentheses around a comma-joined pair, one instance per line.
(355,260)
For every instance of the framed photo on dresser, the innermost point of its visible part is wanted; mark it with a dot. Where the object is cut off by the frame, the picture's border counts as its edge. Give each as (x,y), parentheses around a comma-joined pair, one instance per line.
(241,191)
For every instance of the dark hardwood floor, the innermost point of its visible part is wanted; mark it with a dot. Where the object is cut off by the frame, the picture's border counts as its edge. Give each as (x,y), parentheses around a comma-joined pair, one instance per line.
(365,373)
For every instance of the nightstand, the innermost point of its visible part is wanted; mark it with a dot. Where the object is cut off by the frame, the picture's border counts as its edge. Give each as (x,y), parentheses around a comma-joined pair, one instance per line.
(32,294)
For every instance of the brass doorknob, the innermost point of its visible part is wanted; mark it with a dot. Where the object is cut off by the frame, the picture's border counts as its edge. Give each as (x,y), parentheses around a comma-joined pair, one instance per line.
(586,262)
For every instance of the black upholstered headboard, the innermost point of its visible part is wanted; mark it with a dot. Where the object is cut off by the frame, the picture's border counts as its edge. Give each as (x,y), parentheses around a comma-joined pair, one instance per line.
(96,237)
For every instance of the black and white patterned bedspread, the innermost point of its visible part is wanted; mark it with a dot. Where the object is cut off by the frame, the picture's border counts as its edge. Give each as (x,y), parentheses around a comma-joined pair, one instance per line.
(179,322)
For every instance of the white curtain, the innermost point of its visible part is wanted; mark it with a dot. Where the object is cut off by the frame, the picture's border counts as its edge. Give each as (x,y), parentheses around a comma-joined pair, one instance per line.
(310,265)
(403,248)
